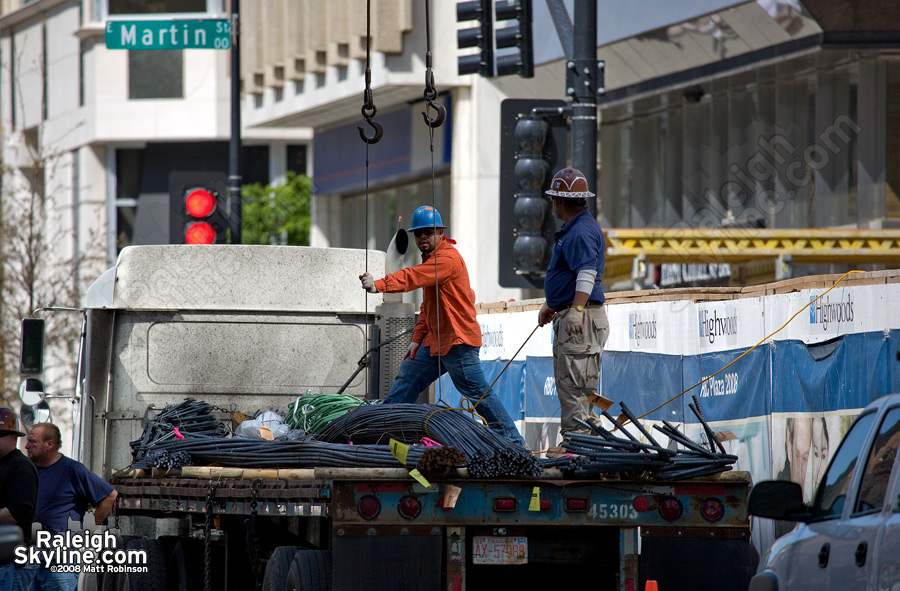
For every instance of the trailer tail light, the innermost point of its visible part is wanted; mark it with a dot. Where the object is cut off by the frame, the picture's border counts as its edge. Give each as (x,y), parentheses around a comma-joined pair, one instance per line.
(712,509)
(505,504)
(576,504)
(409,507)
(671,508)
(545,504)
(369,507)
(641,504)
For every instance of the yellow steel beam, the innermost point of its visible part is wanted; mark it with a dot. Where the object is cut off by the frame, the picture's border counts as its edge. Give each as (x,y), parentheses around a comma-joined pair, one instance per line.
(807,245)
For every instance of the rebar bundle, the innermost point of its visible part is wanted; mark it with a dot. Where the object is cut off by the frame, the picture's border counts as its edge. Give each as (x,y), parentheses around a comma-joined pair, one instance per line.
(441,459)
(489,454)
(188,417)
(237,452)
(602,452)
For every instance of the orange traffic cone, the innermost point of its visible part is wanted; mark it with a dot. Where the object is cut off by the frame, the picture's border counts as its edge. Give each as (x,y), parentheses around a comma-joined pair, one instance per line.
(651,586)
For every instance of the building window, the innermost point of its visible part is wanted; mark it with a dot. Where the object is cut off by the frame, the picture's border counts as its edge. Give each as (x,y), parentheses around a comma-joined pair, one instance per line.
(155,74)
(155,6)
(296,158)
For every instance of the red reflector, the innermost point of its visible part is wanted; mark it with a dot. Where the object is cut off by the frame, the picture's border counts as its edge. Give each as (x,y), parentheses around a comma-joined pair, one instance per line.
(712,509)
(200,203)
(200,233)
(504,504)
(576,504)
(410,507)
(369,507)
(670,508)
(641,504)
(545,504)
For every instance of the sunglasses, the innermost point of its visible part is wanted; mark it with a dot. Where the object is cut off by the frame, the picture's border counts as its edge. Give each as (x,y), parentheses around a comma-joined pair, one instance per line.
(425,231)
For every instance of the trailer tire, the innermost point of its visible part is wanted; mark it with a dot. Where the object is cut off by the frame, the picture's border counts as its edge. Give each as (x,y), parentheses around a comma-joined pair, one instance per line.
(277,568)
(180,574)
(107,581)
(310,571)
(155,577)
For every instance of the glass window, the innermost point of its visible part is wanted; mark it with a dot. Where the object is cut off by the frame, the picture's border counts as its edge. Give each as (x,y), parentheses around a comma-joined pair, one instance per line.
(296,158)
(155,6)
(832,492)
(155,74)
(875,479)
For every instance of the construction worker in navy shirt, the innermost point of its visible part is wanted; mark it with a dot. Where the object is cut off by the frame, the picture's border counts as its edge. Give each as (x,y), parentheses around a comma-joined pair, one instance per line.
(574,302)
(67,488)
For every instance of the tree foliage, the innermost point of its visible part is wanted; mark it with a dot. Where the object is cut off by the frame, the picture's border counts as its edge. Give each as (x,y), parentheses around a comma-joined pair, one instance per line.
(277,214)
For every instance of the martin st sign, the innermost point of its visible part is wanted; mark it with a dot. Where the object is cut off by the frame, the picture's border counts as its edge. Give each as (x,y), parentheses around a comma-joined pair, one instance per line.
(169,34)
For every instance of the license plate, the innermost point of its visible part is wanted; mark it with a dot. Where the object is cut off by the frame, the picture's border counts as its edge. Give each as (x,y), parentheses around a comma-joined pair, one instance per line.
(499,550)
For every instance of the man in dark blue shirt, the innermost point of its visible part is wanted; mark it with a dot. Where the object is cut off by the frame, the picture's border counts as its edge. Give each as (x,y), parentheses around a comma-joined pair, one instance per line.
(574,301)
(67,489)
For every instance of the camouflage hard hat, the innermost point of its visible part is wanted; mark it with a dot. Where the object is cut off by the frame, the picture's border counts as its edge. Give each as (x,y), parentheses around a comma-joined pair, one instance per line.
(9,422)
(569,182)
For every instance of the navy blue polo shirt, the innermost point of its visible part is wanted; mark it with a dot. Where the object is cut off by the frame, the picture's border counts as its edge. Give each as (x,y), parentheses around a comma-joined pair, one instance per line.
(578,245)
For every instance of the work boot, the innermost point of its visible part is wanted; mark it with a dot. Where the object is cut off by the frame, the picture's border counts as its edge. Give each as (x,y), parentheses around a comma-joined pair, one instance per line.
(559,451)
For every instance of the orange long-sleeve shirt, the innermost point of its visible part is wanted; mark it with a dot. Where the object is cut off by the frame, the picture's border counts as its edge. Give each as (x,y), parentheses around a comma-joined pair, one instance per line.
(457,300)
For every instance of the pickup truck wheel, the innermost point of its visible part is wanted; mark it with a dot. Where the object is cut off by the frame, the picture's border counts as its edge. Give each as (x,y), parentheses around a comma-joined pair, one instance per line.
(155,577)
(277,568)
(310,571)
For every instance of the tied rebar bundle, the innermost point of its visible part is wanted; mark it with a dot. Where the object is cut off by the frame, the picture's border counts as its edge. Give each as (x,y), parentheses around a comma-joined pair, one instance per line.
(492,455)
(237,452)
(602,452)
(164,459)
(437,460)
(188,417)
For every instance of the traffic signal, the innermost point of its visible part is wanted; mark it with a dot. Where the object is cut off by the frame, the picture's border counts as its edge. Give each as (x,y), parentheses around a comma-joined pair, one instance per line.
(532,148)
(198,207)
(516,14)
(481,37)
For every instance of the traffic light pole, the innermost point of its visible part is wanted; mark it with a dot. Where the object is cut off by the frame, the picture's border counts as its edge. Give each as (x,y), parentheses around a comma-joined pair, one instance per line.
(234,146)
(584,81)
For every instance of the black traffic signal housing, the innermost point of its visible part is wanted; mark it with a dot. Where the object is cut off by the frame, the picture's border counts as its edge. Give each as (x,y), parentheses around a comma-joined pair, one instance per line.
(533,141)
(518,35)
(198,207)
(481,36)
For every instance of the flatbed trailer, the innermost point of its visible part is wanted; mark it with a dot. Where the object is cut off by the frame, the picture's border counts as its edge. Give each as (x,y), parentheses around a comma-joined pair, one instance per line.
(382,529)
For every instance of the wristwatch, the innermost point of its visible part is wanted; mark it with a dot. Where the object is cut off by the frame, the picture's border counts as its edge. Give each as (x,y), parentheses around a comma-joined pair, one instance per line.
(579,308)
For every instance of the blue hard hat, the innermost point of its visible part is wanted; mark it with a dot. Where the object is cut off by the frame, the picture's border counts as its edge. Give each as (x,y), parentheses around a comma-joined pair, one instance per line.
(426,217)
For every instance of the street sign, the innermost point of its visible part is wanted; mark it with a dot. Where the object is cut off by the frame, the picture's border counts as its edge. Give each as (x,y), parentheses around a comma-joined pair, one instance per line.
(169,34)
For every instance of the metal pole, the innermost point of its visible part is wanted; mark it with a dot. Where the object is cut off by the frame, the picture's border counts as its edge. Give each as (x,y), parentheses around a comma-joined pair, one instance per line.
(234,146)
(582,85)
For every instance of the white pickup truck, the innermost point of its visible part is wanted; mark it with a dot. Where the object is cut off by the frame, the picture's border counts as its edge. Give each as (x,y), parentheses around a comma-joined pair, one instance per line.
(848,538)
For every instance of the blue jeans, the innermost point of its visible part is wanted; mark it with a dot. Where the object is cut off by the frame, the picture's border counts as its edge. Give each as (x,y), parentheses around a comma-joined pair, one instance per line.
(464,367)
(7,573)
(35,577)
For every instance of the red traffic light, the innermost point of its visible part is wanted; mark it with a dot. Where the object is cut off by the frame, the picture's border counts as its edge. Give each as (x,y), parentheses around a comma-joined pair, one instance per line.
(200,233)
(200,203)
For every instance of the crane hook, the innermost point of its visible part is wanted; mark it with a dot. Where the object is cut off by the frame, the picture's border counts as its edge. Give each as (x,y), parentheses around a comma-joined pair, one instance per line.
(368,111)
(430,95)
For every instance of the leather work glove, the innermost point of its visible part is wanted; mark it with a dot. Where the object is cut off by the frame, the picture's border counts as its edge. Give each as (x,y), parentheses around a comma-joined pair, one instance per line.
(411,351)
(368,282)
(545,315)
(574,321)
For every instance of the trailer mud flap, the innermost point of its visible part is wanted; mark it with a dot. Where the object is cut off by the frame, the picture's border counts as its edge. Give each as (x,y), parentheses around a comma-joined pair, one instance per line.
(400,558)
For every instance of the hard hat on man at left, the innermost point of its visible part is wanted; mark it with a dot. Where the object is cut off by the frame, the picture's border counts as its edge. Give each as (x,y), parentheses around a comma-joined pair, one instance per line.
(9,422)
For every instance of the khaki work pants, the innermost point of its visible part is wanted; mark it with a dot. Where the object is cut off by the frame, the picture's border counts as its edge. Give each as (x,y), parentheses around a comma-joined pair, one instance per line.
(576,365)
